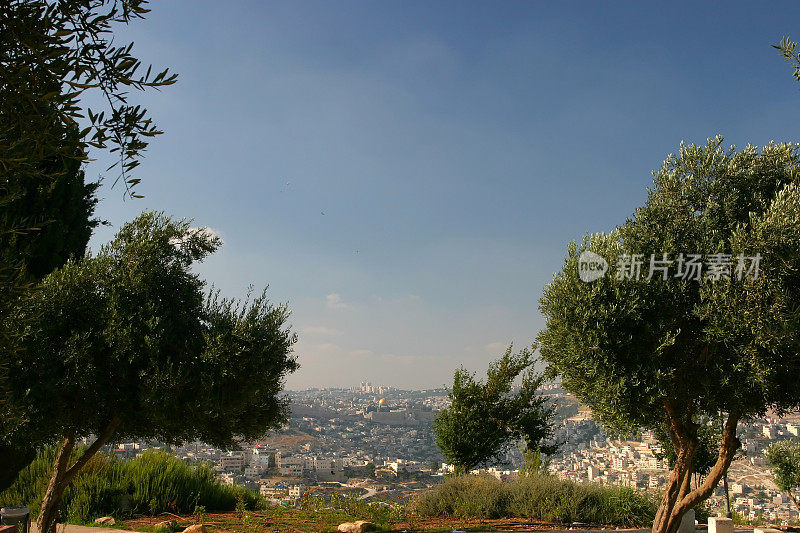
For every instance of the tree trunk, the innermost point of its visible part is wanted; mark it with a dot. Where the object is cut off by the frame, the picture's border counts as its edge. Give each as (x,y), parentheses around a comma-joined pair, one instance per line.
(793,498)
(55,488)
(62,476)
(678,496)
(677,486)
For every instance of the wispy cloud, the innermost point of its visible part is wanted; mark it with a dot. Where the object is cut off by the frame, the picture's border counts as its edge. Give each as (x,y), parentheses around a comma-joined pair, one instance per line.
(496,348)
(325,347)
(334,301)
(321,330)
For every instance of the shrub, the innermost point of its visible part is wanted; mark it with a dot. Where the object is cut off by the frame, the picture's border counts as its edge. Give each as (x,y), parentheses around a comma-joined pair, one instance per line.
(543,498)
(465,496)
(153,483)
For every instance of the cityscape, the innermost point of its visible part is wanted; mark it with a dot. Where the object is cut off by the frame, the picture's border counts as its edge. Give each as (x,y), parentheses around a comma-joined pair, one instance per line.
(378,442)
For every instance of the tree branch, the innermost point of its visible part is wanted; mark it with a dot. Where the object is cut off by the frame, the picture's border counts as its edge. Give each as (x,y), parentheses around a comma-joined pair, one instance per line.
(727,451)
(108,432)
(793,498)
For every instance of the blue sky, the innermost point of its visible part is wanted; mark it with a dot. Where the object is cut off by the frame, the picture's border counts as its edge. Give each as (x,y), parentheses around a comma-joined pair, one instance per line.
(407,175)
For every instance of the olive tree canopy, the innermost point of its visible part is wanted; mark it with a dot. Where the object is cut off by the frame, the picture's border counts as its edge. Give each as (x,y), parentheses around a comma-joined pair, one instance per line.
(713,328)
(53,54)
(126,344)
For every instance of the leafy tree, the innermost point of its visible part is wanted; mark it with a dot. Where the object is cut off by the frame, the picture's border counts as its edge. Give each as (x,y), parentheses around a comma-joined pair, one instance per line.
(54,207)
(124,345)
(52,54)
(791,53)
(534,463)
(370,470)
(784,458)
(485,417)
(652,353)
(47,220)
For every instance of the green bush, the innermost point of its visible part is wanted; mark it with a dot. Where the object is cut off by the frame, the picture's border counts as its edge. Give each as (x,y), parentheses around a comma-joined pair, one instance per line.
(538,497)
(153,483)
(466,496)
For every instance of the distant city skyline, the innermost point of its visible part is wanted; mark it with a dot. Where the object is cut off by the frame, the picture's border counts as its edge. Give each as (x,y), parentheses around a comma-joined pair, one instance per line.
(407,176)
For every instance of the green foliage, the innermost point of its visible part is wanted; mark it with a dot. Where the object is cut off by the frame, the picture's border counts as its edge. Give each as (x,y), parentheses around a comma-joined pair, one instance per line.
(152,483)
(624,347)
(52,207)
(535,463)
(485,417)
(129,335)
(126,345)
(708,437)
(53,55)
(791,53)
(784,458)
(348,508)
(668,353)
(539,498)
(200,512)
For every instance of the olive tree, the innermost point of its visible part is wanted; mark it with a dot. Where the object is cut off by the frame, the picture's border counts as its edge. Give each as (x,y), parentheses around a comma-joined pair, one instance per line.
(791,53)
(696,313)
(484,418)
(52,55)
(126,344)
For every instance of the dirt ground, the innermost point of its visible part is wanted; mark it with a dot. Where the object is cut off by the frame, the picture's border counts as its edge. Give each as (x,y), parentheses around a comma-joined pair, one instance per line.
(307,522)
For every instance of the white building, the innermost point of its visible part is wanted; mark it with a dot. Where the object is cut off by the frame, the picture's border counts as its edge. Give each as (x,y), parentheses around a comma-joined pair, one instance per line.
(232,461)
(292,465)
(295,491)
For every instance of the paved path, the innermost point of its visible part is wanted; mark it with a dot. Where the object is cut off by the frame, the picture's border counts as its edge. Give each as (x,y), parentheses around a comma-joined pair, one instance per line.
(62,528)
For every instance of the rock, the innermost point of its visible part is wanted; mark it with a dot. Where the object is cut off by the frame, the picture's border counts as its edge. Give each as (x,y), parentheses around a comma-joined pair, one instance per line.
(359,526)
(720,525)
(105,521)
(195,528)
(166,524)
(687,522)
